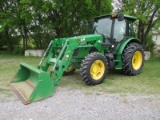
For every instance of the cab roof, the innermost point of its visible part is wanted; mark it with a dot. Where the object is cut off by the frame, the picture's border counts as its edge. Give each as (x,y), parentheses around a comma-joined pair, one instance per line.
(114,15)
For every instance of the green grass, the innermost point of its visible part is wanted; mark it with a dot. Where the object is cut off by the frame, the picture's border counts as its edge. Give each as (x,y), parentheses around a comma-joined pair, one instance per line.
(148,82)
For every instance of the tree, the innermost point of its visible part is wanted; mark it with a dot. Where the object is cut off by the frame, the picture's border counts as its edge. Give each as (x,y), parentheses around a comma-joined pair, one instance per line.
(39,21)
(146,11)
(12,23)
(65,16)
(7,24)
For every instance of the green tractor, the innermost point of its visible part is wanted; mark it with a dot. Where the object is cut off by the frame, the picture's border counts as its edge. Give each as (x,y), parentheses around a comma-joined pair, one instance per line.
(111,46)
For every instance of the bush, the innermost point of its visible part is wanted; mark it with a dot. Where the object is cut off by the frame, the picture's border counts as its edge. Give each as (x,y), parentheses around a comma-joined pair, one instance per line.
(150,44)
(18,50)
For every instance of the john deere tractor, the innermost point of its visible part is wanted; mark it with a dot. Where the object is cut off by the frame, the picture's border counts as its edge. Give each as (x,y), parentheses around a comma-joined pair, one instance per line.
(112,45)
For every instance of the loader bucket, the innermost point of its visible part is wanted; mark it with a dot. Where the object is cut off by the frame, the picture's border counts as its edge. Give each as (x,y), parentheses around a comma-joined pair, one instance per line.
(31,84)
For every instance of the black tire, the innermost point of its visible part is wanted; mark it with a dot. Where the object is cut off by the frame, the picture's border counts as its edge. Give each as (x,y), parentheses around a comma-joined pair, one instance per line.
(69,71)
(94,69)
(133,59)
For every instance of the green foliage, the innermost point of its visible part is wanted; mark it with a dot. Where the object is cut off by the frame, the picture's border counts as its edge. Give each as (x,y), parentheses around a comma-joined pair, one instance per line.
(18,50)
(150,44)
(41,20)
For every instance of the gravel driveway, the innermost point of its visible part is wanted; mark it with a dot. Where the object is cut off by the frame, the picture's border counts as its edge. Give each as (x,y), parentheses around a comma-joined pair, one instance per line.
(71,104)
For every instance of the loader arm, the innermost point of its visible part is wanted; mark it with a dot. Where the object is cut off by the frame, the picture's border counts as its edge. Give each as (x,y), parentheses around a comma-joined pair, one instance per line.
(62,62)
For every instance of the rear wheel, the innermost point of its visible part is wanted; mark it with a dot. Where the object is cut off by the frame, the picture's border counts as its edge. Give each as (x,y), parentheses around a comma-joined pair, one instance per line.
(94,69)
(133,59)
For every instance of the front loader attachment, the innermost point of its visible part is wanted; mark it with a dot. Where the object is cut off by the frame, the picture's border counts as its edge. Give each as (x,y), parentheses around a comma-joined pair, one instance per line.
(31,84)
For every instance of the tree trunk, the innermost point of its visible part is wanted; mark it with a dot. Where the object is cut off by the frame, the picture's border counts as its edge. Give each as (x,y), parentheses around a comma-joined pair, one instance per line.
(9,43)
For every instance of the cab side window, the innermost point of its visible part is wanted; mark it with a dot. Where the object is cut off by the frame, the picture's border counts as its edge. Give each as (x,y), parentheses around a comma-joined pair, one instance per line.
(119,30)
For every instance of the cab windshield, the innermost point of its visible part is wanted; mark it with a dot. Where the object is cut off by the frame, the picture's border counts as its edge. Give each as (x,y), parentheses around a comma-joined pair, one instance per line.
(104,26)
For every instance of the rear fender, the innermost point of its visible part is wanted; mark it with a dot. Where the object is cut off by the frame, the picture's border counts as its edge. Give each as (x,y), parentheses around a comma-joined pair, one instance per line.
(120,49)
(124,43)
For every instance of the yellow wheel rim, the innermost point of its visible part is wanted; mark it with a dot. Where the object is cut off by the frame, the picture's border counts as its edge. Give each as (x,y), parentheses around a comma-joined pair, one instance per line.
(70,68)
(97,69)
(137,60)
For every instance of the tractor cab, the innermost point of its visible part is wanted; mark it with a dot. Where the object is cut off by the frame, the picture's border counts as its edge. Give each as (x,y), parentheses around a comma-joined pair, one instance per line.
(114,28)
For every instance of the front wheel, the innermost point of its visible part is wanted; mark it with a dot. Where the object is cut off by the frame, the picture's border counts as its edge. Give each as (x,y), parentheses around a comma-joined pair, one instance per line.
(94,69)
(133,59)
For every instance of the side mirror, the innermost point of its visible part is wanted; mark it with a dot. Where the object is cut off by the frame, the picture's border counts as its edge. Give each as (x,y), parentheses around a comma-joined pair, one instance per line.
(120,16)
